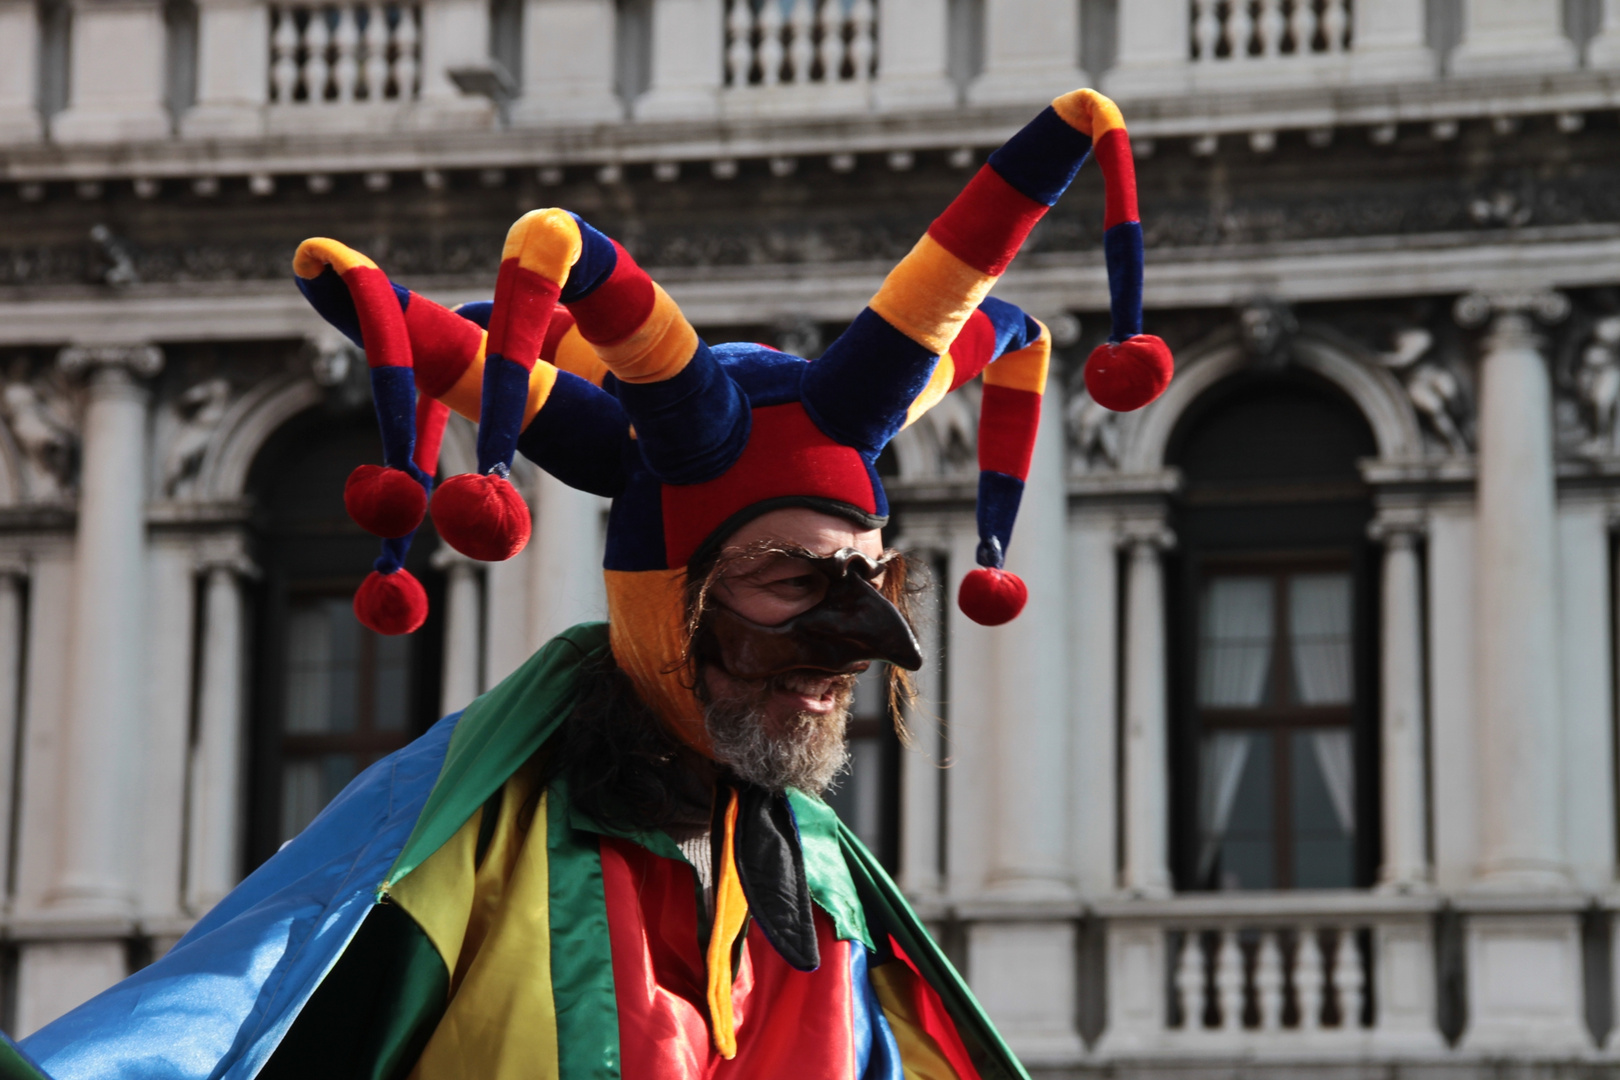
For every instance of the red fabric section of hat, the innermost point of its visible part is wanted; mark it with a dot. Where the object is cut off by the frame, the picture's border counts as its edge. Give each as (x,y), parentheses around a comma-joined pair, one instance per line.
(523,304)
(443,342)
(973,349)
(1008,420)
(986,224)
(787,455)
(616,308)
(381,327)
(1113,154)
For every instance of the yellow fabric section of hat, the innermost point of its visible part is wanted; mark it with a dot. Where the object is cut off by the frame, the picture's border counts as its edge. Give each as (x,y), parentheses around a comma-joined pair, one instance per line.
(1089,113)
(318,252)
(939,384)
(659,349)
(577,356)
(647,632)
(930,295)
(546,242)
(730,913)
(1023,369)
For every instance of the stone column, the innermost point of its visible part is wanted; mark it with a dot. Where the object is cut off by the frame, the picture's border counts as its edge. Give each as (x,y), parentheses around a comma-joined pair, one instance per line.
(463,630)
(455,35)
(1401,714)
(1503,37)
(116,77)
(565,572)
(11,657)
(687,38)
(1389,37)
(1517,588)
(568,63)
(233,70)
(1031,52)
(1146,803)
(19,71)
(913,46)
(1030,856)
(1603,51)
(1153,51)
(215,822)
(102,718)
(1093,667)
(921,761)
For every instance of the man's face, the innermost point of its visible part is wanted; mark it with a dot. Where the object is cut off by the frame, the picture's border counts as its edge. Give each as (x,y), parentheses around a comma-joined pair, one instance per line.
(786,730)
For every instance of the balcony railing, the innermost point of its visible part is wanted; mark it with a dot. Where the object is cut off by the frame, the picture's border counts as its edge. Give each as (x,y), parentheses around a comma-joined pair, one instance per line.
(264,66)
(344,54)
(1301,971)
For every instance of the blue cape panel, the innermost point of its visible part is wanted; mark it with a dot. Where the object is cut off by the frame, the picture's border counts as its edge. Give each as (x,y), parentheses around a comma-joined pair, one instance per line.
(218,1004)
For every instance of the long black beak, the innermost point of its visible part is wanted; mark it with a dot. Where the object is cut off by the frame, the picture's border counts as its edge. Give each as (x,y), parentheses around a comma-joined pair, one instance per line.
(853,625)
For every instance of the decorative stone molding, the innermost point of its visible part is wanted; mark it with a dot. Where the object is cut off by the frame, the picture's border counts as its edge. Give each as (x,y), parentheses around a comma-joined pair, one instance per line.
(198,413)
(140,361)
(1473,309)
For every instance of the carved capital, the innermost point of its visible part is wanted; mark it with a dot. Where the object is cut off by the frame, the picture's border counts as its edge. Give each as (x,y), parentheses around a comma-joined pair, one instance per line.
(1474,309)
(1398,528)
(1147,535)
(140,361)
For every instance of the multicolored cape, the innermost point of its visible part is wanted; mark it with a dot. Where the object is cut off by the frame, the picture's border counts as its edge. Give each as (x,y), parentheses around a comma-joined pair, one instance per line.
(446,917)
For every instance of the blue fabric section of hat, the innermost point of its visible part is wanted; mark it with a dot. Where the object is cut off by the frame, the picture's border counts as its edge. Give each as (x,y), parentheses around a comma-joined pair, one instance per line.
(506,394)
(691,427)
(394,550)
(597,258)
(1122,250)
(1043,158)
(331,299)
(580,437)
(477,311)
(635,532)
(767,376)
(393,392)
(999,495)
(880,498)
(1014,329)
(859,390)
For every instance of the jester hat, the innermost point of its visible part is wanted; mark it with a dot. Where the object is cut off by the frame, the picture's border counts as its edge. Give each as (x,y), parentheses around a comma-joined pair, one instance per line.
(589,368)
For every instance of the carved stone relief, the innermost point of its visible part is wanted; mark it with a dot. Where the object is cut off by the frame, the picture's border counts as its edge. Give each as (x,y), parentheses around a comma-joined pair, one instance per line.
(1434,388)
(198,413)
(41,416)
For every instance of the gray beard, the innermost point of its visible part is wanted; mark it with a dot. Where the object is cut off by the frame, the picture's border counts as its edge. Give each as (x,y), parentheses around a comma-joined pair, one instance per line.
(808,755)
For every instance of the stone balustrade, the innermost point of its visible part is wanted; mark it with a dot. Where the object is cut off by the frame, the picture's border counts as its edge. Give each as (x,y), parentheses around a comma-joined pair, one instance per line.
(267,66)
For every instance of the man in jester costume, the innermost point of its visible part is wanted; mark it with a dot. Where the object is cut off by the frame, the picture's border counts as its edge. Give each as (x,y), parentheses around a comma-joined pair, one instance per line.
(616,862)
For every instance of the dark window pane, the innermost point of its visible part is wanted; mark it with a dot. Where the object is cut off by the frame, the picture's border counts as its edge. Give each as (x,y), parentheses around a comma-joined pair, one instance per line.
(392,684)
(1323,809)
(1244,852)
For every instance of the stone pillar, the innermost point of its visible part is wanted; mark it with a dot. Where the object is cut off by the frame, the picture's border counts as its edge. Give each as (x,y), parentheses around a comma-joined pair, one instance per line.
(1031,53)
(687,38)
(1030,852)
(1389,37)
(1603,51)
(11,675)
(565,571)
(215,822)
(102,720)
(1153,50)
(115,92)
(1093,666)
(568,63)
(463,630)
(1517,586)
(233,70)
(913,47)
(1401,714)
(455,34)
(19,71)
(921,761)
(1146,803)
(1503,37)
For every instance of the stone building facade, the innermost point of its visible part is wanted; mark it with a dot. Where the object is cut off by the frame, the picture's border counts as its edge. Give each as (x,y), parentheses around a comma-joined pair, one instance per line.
(1303,751)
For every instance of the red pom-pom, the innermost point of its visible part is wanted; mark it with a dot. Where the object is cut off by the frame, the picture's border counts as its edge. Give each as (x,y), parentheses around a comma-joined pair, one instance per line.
(481,516)
(383,501)
(391,603)
(991,597)
(1130,374)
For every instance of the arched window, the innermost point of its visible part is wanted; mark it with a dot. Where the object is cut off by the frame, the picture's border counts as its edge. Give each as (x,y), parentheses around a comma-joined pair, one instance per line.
(329,696)
(1273,744)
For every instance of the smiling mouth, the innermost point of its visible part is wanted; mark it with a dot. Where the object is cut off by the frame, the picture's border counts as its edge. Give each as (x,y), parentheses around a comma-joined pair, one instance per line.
(812,691)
